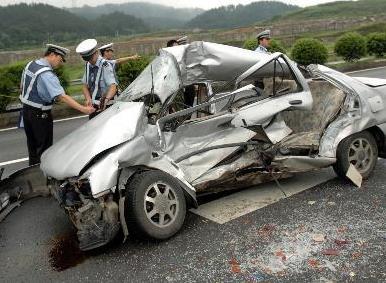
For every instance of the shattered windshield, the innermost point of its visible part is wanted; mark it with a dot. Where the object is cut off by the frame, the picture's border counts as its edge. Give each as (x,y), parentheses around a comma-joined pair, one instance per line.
(160,77)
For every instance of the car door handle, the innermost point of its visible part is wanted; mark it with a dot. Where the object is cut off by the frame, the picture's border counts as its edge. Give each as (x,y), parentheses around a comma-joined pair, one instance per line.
(295,102)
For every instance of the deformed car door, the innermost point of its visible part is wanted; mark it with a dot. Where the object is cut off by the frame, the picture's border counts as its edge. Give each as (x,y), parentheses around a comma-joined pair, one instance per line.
(199,144)
(285,88)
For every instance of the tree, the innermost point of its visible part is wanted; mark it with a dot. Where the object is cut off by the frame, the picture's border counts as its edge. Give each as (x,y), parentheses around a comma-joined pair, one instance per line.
(351,46)
(376,44)
(309,51)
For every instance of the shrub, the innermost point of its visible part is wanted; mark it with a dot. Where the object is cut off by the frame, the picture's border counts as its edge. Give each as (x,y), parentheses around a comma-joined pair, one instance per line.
(351,46)
(250,44)
(9,84)
(309,51)
(63,76)
(376,44)
(10,77)
(129,72)
(275,45)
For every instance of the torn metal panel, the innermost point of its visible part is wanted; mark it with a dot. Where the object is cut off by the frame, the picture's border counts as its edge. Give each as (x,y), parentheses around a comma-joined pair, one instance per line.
(301,163)
(189,140)
(205,61)
(277,130)
(252,158)
(358,113)
(161,77)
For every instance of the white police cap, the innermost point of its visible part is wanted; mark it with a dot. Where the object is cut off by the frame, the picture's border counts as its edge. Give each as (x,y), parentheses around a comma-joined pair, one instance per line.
(182,40)
(87,47)
(57,49)
(264,34)
(106,46)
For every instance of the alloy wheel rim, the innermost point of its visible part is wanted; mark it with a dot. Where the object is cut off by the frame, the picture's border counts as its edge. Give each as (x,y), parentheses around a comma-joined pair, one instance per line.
(360,154)
(161,204)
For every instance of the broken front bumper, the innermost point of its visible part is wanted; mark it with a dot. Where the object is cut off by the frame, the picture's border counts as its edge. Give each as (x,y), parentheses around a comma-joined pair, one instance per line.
(96,219)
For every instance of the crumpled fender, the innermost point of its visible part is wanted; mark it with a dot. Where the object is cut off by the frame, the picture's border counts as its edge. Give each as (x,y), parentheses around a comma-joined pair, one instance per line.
(22,185)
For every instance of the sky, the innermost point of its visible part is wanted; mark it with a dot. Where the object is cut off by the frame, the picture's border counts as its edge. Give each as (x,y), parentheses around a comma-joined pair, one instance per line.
(204,4)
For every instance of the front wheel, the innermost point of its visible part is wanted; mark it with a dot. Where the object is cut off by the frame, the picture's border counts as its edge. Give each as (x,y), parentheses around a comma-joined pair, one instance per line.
(155,205)
(360,150)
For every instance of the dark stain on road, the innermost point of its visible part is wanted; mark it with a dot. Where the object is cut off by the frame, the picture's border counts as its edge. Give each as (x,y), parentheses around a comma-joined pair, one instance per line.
(65,252)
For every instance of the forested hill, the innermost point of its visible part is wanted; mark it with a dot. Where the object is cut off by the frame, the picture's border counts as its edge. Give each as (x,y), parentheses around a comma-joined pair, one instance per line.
(154,15)
(28,25)
(339,9)
(240,15)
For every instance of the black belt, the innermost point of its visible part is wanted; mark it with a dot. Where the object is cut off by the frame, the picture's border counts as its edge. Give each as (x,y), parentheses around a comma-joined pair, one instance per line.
(29,107)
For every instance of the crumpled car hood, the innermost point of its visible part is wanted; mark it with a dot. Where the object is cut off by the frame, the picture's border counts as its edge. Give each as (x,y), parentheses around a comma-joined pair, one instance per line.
(118,124)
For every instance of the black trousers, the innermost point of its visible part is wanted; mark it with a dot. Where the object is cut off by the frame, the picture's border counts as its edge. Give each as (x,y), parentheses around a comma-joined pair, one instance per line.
(38,126)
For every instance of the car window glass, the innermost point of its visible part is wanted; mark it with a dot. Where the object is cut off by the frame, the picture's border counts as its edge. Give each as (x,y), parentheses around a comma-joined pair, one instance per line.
(273,79)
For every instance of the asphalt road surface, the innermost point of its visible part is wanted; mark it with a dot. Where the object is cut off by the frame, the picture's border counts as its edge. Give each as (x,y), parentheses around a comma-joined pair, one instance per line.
(327,230)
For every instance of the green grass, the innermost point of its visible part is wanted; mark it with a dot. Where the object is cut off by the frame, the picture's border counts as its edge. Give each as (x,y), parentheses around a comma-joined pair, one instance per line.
(74,71)
(74,90)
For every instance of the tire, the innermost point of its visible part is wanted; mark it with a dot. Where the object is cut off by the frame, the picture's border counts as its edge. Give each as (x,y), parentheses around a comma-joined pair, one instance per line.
(359,149)
(149,212)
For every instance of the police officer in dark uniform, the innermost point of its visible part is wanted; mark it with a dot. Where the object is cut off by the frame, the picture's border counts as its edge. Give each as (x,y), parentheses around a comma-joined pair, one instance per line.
(40,88)
(99,82)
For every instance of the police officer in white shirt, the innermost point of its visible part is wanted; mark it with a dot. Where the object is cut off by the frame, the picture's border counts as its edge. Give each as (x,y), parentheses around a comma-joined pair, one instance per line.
(107,52)
(263,39)
(40,88)
(99,82)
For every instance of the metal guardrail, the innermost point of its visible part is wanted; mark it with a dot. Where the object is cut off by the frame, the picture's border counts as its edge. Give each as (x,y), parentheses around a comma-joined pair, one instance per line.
(14,107)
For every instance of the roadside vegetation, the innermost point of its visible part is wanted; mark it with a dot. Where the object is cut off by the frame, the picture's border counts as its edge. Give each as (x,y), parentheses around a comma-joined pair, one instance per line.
(69,77)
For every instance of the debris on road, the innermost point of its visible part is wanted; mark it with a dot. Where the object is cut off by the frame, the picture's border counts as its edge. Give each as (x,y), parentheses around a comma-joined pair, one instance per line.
(330,252)
(319,238)
(266,231)
(313,263)
(341,243)
(281,254)
(235,266)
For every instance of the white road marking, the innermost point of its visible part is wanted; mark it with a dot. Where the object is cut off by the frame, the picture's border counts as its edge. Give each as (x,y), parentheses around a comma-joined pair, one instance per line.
(55,121)
(14,161)
(241,203)
(8,129)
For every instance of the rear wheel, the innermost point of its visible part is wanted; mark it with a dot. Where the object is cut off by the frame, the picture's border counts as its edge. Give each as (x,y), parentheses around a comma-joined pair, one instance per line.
(359,150)
(155,205)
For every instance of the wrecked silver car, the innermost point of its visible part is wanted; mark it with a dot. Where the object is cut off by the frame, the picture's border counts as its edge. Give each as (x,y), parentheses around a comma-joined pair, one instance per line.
(251,118)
